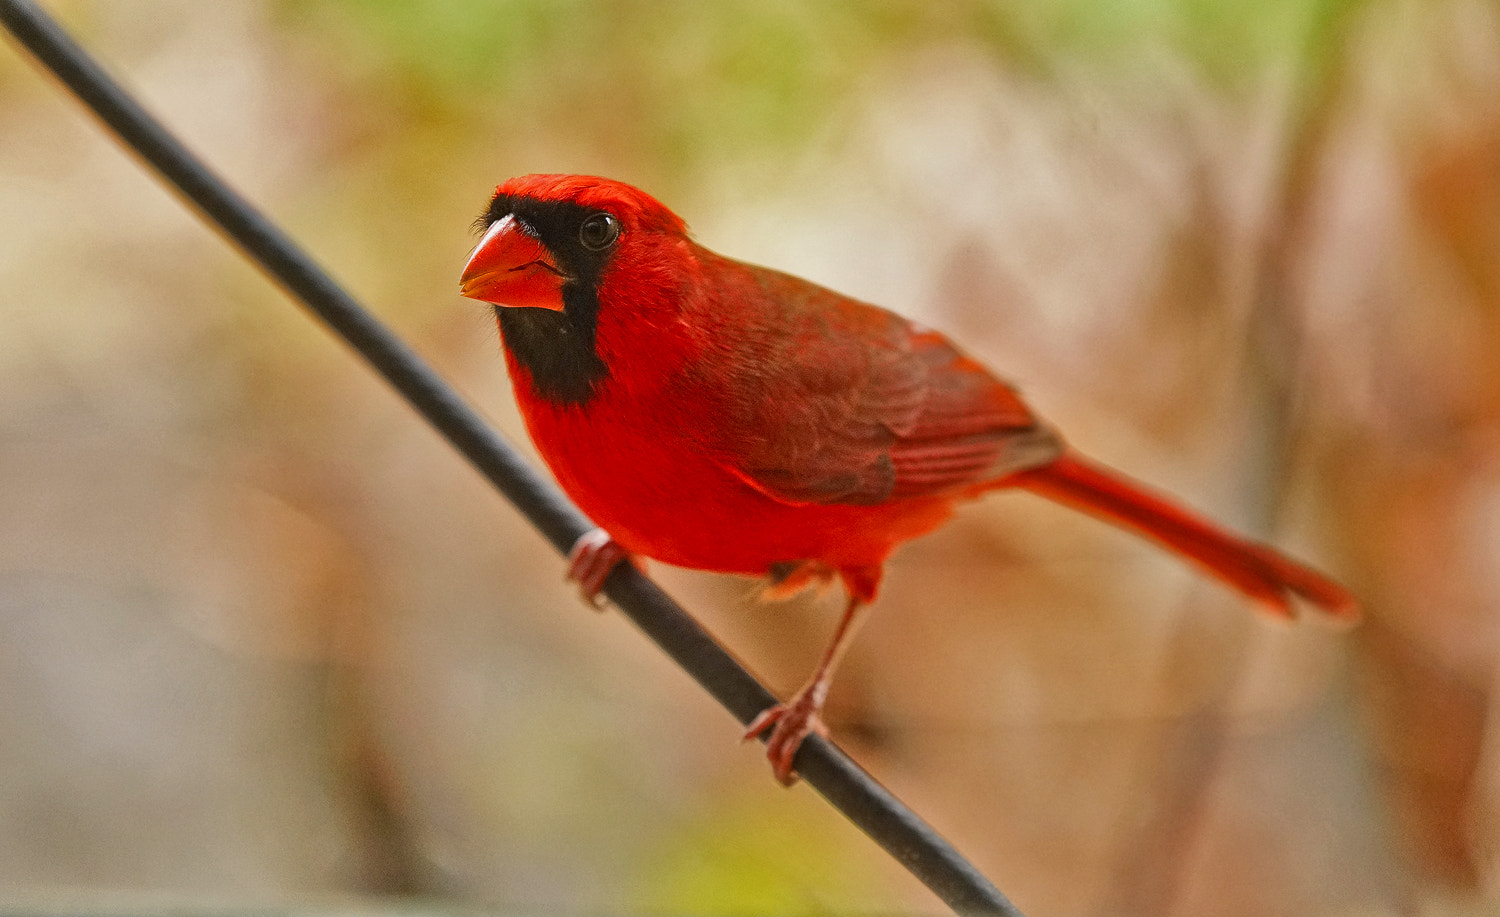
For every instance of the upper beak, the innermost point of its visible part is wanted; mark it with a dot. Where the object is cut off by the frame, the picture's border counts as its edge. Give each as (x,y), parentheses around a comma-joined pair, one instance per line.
(511,267)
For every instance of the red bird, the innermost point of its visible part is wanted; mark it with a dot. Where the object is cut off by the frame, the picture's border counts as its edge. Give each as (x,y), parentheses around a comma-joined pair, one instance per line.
(721,416)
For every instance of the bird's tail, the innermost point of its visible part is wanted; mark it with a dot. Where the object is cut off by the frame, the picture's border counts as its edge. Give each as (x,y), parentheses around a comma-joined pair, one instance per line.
(1260,572)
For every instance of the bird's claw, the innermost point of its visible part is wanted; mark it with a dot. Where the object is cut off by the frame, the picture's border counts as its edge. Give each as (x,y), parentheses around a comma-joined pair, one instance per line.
(590,561)
(789,724)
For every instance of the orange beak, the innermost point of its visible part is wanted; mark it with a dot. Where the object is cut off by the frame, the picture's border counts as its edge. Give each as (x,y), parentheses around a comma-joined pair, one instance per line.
(510,267)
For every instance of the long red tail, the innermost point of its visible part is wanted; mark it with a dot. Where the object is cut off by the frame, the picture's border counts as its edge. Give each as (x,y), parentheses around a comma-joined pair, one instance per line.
(1260,572)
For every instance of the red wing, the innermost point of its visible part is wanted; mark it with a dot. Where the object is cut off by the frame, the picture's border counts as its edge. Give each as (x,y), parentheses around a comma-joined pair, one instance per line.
(854,404)
(970,428)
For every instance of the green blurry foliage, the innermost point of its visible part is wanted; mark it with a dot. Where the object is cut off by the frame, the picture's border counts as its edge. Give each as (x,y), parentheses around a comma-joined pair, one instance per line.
(1230,41)
(650,80)
(680,87)
(732,859)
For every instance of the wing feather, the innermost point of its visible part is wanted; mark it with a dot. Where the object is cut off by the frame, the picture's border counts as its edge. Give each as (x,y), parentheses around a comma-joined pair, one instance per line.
(843,402)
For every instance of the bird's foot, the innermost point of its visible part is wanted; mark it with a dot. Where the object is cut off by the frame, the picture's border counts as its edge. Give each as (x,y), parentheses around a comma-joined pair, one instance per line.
(791,577)
(789,723)
(593,556)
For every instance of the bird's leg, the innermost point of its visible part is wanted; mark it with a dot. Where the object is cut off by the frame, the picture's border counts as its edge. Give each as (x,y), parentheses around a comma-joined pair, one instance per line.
(593,556)
(794,720)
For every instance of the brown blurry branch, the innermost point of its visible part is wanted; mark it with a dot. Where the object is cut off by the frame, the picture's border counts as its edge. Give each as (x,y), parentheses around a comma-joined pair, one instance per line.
(1150,875)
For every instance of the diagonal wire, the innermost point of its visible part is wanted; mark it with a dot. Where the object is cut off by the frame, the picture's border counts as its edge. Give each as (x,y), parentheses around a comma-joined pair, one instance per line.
(843,783)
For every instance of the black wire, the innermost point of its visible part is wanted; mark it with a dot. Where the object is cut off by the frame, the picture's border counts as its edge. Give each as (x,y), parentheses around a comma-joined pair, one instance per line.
(842,782)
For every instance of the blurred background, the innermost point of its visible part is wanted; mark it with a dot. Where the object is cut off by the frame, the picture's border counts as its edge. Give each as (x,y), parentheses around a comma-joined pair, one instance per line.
(264,639)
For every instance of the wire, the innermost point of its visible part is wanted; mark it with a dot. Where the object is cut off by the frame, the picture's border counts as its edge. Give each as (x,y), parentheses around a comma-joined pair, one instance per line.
(843,783)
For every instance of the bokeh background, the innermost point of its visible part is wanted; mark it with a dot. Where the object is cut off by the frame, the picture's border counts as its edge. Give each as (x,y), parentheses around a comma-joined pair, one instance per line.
(265,640)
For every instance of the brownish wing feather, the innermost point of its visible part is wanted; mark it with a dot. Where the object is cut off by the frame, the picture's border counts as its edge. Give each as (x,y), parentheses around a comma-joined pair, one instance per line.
(837,401)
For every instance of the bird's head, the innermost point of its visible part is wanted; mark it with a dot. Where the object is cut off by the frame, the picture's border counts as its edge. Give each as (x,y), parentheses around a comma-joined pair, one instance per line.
(549,239)
(563,256)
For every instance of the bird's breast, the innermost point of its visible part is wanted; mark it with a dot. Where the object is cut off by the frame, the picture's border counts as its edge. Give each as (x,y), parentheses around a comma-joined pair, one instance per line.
(650,475)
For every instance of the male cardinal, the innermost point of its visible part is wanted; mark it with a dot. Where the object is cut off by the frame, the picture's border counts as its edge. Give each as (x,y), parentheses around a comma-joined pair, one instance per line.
(717,415)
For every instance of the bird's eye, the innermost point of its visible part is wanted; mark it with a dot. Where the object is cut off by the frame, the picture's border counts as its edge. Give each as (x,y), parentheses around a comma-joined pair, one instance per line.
(599,232)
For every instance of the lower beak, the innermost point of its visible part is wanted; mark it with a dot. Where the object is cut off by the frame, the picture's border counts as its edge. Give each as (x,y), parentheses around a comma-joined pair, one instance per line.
(510,267)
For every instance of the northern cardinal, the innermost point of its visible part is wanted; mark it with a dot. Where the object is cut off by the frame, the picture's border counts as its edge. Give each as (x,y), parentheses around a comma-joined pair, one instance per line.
(716,415)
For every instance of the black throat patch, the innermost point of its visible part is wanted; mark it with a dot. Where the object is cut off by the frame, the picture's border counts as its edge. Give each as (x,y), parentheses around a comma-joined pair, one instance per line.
(558,354)
(557,348)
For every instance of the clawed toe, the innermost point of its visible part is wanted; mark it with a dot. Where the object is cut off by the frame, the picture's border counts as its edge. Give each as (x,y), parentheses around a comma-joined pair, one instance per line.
(790,724)
(593,556)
